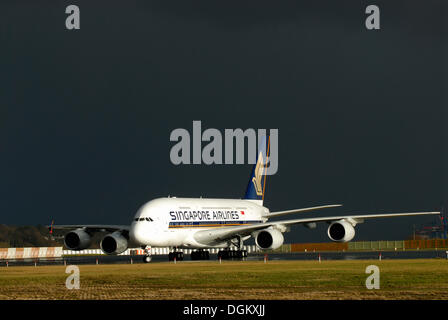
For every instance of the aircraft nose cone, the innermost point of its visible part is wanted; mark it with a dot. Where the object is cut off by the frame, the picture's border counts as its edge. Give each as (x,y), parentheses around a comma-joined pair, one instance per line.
(137,234)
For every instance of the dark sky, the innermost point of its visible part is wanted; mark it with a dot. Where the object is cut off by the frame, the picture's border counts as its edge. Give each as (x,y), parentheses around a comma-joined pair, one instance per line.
(86,115)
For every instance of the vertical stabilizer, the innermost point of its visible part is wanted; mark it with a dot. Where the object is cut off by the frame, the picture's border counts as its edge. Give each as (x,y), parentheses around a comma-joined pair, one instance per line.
(257,182)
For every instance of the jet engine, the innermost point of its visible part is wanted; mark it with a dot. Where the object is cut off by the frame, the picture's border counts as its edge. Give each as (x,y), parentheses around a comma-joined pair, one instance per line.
(269,239)
(114,243)
(341,231)
(77,240)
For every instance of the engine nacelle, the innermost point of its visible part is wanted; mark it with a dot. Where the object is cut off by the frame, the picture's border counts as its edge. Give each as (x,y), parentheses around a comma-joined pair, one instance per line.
(114,243)
(269,239)
(77,240)
(341,231)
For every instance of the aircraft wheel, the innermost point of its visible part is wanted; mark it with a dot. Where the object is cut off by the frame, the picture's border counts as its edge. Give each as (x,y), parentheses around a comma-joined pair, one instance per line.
(179,256)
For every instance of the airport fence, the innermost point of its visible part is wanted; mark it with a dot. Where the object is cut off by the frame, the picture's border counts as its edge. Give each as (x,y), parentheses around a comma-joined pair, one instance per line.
(371,245)
(313,247)
(58,252)
(30,253)
(376,245)
(426,244)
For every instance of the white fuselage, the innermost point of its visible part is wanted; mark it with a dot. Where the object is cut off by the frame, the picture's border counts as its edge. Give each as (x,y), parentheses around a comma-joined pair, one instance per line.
(173,222)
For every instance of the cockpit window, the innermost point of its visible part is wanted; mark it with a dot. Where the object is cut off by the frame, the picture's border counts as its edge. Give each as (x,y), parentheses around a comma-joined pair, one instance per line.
(143,219)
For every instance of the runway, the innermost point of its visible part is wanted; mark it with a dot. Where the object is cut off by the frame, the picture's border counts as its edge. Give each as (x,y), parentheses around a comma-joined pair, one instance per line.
(348,255)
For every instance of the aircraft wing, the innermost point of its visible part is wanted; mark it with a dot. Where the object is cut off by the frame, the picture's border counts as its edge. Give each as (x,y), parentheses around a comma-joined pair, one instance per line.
(91,227)
(224,234)
(281,213)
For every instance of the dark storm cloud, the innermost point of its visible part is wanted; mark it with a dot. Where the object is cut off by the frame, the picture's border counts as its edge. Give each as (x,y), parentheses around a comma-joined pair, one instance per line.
(242,14)
(86,115)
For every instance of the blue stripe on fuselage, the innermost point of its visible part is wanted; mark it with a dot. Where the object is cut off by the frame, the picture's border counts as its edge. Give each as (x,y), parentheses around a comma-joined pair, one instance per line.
(211,224)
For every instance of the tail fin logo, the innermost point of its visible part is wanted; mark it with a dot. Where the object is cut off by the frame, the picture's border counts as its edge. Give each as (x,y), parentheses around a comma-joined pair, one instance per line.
(257,180)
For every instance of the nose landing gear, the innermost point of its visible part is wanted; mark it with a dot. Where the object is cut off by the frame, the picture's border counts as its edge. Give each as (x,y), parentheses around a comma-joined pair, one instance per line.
(147,255)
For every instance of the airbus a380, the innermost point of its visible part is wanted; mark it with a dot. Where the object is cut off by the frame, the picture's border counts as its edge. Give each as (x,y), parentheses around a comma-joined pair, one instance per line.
(201,223)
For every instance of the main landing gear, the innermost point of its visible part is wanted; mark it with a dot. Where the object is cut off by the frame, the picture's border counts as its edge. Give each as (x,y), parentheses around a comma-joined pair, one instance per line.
(200,255)
(176,255)
(232,254)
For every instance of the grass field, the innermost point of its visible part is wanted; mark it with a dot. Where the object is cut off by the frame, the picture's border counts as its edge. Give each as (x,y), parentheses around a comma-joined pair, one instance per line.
(399,279)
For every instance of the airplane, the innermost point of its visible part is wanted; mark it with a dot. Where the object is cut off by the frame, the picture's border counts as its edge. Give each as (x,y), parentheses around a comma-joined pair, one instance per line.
(204,223)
